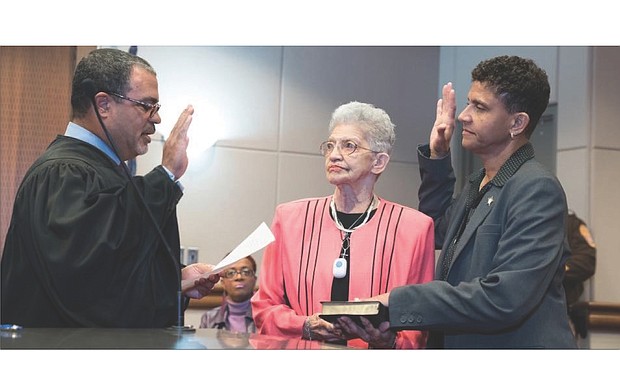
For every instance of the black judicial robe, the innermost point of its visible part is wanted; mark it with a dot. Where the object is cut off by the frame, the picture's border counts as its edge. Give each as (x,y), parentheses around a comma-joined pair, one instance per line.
(81,250)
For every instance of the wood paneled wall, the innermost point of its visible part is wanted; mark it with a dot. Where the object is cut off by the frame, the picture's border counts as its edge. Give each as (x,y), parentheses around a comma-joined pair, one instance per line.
(35,106)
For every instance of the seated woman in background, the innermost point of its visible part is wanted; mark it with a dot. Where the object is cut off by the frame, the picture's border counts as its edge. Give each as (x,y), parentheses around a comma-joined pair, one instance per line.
(235,313)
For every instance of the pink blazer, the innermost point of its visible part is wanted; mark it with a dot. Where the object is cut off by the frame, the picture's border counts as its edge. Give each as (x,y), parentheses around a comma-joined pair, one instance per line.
(394,248)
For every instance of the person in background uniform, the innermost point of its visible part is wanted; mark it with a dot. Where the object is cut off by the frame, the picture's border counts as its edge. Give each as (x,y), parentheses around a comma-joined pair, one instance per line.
(81,250)
(581,264)
(235,312)
(499,276)
(352,244)
(579,267)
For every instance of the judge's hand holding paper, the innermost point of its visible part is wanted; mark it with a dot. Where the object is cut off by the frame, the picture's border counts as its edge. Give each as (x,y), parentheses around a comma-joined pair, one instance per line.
(200,276)
(195,284)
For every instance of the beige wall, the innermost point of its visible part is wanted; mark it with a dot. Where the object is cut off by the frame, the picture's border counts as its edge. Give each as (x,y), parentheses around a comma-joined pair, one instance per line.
(270,107)
(604,172)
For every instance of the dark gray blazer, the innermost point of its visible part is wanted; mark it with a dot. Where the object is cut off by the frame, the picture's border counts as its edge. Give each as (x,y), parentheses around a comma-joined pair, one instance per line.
(504,286)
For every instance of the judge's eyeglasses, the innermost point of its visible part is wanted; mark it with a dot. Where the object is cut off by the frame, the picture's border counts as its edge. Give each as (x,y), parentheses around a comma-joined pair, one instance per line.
(148,107)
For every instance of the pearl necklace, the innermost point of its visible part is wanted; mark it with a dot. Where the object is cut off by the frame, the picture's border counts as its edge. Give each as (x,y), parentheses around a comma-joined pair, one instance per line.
(351,228)
(339,268)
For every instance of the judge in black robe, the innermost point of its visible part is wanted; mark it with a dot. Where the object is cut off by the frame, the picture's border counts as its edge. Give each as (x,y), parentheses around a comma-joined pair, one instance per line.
(81,249)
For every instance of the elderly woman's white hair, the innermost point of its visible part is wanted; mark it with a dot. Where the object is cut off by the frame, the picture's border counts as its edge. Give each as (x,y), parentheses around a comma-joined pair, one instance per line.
(374,121)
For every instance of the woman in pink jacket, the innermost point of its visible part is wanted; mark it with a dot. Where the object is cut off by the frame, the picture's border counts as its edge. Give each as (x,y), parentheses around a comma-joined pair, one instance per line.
(352,244)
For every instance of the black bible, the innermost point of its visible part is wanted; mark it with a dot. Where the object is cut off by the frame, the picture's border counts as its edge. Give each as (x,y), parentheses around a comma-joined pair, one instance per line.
(374,311)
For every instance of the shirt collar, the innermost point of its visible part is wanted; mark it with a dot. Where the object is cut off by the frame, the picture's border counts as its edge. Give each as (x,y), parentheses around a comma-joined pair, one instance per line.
(508,169)
(79,133)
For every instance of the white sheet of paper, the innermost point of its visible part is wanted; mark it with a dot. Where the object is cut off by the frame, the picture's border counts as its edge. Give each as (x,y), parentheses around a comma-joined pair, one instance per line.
(258,239)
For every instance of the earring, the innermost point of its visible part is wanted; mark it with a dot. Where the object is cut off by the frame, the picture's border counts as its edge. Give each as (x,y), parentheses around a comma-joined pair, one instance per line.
(512,135)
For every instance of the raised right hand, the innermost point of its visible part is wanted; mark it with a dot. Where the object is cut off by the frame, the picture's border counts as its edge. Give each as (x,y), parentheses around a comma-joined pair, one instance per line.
(175,148)
(444,123)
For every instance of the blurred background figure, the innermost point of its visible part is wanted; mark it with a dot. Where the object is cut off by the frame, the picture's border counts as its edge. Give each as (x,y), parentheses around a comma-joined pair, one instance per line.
(579,267)
(235,313)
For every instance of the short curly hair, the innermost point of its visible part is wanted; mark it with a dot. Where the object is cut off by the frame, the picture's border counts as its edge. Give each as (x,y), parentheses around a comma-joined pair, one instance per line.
(519,83)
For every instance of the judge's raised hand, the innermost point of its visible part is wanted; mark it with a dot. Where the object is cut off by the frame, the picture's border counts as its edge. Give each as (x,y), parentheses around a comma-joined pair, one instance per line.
(444,123)
(175,148)
(201,286)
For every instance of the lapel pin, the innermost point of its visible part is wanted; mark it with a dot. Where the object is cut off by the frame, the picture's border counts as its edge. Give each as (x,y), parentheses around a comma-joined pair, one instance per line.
(490,201)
